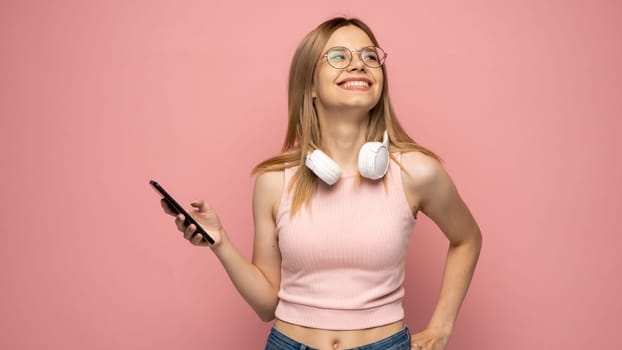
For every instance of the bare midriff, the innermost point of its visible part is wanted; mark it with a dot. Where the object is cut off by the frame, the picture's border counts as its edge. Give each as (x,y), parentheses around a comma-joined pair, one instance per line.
(324,339)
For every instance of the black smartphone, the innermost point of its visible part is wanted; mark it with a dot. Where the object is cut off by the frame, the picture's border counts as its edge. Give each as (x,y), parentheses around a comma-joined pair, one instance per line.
(175,206)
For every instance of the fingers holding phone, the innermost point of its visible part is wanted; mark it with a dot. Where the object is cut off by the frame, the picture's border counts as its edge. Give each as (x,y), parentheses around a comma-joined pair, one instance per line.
(208,219)
(187,223)
(180,219)
(167,207)
(202,215)
(190,232)
(189,229)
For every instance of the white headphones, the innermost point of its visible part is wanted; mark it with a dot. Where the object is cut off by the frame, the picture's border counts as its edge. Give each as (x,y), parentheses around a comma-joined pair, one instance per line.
(373,162)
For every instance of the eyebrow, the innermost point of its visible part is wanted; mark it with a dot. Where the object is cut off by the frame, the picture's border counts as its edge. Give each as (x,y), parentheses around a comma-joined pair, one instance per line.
(349,48)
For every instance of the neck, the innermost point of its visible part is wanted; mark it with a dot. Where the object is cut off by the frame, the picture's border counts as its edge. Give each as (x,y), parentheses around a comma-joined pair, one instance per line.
(343,135)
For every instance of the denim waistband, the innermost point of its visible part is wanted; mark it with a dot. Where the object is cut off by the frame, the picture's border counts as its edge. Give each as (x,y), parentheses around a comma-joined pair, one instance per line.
(397,341)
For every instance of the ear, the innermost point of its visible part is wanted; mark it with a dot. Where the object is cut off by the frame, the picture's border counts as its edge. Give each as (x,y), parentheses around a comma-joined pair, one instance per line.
(314,85)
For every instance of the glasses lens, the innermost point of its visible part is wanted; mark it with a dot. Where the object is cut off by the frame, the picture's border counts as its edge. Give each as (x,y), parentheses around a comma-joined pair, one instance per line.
(339,57)
(373,56)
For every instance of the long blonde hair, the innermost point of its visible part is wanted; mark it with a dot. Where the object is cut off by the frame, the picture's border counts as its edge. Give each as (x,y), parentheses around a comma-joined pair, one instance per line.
(303,130)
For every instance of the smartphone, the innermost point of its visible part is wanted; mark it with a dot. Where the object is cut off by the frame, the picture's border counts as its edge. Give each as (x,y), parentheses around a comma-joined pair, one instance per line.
(175,206)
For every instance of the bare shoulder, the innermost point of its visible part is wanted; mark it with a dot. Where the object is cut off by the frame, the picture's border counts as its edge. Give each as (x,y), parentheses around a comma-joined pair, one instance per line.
(424,179)
(421,170)
(269,181)
(267,191)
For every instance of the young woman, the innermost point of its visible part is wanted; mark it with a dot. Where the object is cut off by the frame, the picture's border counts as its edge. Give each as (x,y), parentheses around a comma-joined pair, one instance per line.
(333,213)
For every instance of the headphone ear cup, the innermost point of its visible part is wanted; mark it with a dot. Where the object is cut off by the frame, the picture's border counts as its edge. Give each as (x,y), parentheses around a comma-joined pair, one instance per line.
(373,160)
(324,167)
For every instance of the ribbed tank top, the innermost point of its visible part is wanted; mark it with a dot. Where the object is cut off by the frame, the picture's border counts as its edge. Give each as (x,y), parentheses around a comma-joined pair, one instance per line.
(343,254)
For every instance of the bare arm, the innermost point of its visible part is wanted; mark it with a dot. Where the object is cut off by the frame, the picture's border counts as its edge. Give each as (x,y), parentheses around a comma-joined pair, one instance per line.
(431,191)
(257,281)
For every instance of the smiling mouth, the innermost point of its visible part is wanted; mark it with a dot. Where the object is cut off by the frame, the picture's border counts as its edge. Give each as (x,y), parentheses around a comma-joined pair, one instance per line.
(355,84)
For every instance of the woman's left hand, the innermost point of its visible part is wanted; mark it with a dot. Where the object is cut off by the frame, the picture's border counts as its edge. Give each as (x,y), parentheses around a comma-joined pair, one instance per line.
(429,339)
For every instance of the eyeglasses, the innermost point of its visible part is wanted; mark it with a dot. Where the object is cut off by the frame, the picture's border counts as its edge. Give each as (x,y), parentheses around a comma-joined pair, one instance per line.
(340,57)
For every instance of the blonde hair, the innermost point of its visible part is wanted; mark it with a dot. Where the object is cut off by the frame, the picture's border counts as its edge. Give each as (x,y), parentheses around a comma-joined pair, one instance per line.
(303,130)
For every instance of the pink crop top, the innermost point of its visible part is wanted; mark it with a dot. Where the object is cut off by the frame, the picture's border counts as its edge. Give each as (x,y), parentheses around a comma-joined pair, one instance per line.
(343,254)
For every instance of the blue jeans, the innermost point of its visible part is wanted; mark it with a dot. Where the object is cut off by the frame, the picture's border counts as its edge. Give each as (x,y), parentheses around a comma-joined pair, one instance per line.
(398,341)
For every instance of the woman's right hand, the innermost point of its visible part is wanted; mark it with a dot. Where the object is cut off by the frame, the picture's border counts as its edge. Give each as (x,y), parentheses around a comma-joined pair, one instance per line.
(205,216)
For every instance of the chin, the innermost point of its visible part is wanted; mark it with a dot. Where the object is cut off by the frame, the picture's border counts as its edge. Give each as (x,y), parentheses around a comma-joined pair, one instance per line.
(362,104)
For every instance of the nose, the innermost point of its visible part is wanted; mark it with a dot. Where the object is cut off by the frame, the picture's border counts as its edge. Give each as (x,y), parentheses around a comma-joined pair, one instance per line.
(357,62)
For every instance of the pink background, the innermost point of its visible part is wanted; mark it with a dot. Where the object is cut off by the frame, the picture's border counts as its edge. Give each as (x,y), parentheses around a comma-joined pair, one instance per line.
(521,98)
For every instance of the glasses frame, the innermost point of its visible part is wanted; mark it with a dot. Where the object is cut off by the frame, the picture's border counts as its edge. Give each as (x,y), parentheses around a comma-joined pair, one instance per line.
(360,52)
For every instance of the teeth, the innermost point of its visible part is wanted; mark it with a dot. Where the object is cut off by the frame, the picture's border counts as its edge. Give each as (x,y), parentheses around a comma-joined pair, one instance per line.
(351,83)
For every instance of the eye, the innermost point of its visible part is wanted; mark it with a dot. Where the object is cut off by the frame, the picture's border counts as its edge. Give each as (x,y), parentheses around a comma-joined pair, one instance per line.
(337,55)
(370,55)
